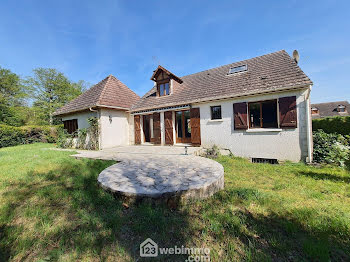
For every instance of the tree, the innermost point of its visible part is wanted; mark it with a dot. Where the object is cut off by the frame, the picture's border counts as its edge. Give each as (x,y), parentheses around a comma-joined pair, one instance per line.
(12,97)
(51,90)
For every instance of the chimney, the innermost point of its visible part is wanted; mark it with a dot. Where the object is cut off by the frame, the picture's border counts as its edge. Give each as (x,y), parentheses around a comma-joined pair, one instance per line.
(296,56)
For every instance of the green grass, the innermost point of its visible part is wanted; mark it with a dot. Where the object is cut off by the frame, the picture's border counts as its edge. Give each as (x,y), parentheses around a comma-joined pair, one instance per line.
(51,209)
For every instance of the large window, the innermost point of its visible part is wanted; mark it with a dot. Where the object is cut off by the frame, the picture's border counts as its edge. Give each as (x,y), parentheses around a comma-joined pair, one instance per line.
(70,125)
(263,114)
(164,89)
(215,112)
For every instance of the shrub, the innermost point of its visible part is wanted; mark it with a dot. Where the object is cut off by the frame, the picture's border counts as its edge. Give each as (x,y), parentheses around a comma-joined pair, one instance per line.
(330,125)
(331,148)
(84,138)
(212,152)
(12,136)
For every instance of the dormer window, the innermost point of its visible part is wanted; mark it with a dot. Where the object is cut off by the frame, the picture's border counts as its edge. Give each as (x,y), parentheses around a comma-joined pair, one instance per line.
(314,111)
(341,108)
(163,79)
(164,89)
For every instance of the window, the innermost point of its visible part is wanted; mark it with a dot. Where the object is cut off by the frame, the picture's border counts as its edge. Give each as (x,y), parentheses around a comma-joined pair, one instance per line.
(238,69)
(164,89)
(179,123)
(215,112)
(314,111)
(341,108)
(70,125)
(263,114)
(187,119)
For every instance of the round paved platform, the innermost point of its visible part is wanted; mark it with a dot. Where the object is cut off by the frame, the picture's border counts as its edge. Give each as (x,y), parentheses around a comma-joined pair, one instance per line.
(163,177)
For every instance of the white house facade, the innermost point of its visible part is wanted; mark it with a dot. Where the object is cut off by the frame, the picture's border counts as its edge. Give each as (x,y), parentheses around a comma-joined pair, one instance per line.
(257,108)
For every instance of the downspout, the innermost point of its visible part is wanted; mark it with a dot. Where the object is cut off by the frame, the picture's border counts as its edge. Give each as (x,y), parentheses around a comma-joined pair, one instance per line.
(99,126)
(309,127)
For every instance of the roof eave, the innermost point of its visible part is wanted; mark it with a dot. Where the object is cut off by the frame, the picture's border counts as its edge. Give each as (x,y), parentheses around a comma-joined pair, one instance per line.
(204,100)
(88,108)
(74,111)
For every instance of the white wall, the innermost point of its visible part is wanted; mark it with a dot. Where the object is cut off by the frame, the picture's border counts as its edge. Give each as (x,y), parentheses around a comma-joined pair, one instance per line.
(131,129)
(82,118)
(115,132)
(287,144)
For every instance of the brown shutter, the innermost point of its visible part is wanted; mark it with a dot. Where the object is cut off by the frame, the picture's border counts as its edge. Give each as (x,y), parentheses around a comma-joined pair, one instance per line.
(156,128)
(137,129)
(240,116)
(288,112)
(195,126)
(168,120)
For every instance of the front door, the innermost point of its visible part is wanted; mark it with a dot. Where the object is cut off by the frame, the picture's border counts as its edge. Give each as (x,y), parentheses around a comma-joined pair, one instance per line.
(183,126)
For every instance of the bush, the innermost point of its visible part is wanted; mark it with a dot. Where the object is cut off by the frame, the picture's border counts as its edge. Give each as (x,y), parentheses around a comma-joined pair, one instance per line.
(331,148)
(83,138)
(12,136)
(330,125)
(212,152)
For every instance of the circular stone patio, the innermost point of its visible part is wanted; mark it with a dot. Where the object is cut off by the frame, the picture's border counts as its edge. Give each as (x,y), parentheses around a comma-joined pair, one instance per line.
(163,177)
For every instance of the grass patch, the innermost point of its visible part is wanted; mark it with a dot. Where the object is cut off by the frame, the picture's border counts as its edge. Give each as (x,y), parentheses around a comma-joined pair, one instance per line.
(51,209)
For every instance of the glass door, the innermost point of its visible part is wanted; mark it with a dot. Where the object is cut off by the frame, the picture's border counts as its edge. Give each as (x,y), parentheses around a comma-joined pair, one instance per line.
(183,126)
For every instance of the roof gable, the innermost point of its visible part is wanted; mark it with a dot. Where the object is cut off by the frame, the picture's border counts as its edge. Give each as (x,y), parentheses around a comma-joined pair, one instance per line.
(110,92)
(161,69)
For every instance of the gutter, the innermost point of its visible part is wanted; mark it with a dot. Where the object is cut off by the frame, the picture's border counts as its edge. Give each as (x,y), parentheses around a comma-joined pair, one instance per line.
(206,100)
(114,107)
(90,108)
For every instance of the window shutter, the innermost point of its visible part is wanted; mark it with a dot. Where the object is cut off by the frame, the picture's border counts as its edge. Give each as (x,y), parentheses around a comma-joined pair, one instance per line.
(240,116)
(288,112)
(195,126)
(156,128)
(137,129)
(168,122)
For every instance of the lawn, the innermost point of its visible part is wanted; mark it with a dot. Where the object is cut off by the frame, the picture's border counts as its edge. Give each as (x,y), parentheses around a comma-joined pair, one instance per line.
(51,209)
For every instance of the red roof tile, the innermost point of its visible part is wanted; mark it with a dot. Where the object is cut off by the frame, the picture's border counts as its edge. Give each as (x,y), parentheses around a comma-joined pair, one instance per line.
(271,72)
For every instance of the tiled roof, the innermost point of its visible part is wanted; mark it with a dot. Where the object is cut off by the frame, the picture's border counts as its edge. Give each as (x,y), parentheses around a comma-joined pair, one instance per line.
(330,109)
(271,72)
(109,92)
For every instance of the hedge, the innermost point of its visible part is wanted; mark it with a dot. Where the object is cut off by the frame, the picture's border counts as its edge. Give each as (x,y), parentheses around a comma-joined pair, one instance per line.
(331,149)
(12,136)
(330,125)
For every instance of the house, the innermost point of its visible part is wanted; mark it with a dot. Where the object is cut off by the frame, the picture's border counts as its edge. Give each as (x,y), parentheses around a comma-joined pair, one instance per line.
(257,108)
(339,108)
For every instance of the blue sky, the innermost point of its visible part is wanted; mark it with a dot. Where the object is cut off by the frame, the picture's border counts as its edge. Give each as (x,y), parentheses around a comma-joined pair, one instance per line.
(91,39)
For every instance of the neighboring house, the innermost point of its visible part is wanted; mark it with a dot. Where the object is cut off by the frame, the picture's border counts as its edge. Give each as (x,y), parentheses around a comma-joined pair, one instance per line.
(257,108)
(340,108)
